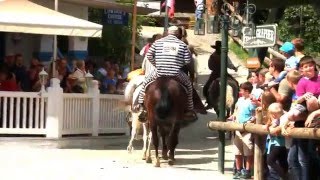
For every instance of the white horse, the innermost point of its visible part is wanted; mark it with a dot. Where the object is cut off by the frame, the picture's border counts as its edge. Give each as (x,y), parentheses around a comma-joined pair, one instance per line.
(131,95)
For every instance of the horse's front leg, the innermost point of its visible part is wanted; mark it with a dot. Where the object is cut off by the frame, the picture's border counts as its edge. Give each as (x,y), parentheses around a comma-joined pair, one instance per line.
(133,134)
(148,158)
(134,126)
(155,141)
(145,140)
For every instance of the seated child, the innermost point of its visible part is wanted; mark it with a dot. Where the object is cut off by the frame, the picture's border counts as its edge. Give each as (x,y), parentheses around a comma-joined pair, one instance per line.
(110,83)
(307,88)
(291,62)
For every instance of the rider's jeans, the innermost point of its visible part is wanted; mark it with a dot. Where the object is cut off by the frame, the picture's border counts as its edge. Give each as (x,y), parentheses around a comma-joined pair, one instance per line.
(298,159)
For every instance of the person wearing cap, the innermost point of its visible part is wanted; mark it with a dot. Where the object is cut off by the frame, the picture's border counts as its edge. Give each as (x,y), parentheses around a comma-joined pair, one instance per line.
(169,55)
(214,66)
(288,50)
(291,63)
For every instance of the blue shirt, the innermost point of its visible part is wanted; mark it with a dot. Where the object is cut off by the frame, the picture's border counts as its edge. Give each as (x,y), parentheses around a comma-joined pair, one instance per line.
(245,109)
(292,62)
(275,141)
(112,82)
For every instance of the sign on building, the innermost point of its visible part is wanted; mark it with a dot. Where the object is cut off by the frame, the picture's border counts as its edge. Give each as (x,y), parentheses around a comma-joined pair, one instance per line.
(115,17)
(265,36)
(151,5)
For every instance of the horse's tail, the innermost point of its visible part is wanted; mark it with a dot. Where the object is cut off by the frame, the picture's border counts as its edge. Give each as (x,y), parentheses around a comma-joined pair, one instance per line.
(229,97)
(164,105)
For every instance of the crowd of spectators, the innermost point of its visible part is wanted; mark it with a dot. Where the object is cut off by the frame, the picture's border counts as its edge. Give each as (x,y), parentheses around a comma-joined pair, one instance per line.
(286,95)
(15,76)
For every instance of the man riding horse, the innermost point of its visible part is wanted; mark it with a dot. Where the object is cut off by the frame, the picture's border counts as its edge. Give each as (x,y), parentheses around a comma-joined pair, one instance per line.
(169,55)
(214,66)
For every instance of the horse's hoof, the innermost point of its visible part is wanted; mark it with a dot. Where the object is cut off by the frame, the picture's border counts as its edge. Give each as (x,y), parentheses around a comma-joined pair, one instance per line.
(157,164)
(164,157)
(149,160)
(144,157)
(171,162)
(129,149)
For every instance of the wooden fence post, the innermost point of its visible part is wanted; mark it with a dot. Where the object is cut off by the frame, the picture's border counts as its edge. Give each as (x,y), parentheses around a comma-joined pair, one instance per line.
(94,91)
(258,154)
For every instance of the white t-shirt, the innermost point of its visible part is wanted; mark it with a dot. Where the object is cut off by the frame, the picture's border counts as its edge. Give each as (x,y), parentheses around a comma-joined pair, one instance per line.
(169,3)
(199,2)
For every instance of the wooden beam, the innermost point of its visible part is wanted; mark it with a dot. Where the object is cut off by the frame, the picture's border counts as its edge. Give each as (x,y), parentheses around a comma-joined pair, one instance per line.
(134,32)
(258,154)
(270,50)
(303,133)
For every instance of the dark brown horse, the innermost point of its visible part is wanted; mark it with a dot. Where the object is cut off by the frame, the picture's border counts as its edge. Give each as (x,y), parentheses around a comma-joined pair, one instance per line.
(165,103)
(232,95)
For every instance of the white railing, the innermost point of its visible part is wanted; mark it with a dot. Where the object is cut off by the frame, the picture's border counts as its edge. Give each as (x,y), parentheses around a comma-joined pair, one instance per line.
(111,117)
(55,113)
(77,114)
(22,113)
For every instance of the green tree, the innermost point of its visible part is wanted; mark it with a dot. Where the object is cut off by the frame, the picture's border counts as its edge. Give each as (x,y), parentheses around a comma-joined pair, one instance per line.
(116,39)
(302,21)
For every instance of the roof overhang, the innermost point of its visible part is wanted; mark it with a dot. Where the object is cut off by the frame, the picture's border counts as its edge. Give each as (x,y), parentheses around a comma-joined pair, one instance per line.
(23,16)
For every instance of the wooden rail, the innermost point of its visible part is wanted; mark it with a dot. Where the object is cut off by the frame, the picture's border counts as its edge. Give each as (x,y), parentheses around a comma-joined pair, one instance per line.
(302,133)
(258,131)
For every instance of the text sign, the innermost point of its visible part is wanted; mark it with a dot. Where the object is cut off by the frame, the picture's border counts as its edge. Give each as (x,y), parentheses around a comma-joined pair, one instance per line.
(265,36)
(115,17)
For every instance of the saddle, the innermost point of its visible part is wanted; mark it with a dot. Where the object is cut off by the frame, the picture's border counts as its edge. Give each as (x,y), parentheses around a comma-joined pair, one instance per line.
(135,73)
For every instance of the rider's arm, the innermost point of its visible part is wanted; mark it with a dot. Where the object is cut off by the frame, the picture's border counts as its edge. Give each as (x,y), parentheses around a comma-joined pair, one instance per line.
(212,62)
(151,53)
(191,69)
(231,65)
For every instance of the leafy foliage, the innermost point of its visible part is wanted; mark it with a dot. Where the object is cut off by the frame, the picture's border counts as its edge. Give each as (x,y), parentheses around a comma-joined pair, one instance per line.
(116,39)
(302,21)
(238,51)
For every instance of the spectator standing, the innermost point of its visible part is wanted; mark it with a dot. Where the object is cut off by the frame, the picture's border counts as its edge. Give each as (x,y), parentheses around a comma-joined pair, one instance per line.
(244,113)
(276,150)
(299,47)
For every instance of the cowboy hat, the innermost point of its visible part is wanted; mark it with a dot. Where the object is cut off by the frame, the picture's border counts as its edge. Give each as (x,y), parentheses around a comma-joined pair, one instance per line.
(217,45)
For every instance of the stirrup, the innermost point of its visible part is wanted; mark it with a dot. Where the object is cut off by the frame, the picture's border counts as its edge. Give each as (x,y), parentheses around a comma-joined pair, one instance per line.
(143,116)
(192,117)
(138,107)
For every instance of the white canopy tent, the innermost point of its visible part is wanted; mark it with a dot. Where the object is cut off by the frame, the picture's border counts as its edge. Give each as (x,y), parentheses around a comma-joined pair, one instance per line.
(23,16)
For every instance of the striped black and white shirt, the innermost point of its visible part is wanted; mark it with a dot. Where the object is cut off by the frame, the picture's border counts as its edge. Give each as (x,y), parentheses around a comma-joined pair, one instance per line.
(169,55)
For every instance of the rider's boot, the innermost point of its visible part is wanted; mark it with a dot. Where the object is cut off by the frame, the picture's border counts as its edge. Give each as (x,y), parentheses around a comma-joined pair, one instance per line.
(143,112)
(190,115)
